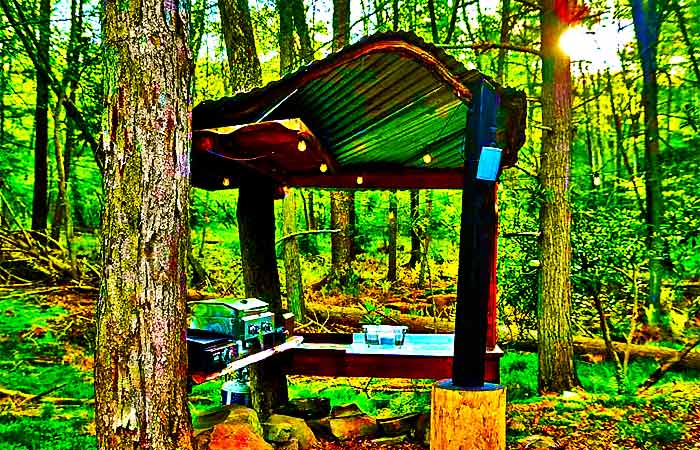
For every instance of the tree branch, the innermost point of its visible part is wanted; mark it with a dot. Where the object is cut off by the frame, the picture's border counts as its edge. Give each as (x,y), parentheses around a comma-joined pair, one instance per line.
(483,46)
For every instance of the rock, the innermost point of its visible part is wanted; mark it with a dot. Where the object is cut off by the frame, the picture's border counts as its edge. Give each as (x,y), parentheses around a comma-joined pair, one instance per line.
(538,442)
(348,410)
(291,445)
(390,440)
(308,408)
(226,436)
(280,429)
(396,426)
(201,440)
(361,426)
(240,415)
(321,428)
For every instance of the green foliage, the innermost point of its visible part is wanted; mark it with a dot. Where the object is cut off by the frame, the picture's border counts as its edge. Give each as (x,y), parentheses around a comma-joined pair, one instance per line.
(44,433)
(519,375)
(652,432)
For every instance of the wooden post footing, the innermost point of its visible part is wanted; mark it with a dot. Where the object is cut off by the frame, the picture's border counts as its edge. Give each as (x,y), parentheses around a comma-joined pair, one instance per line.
(471,418)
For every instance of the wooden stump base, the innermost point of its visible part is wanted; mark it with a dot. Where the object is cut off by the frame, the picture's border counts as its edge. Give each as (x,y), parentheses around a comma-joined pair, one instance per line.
(467,418)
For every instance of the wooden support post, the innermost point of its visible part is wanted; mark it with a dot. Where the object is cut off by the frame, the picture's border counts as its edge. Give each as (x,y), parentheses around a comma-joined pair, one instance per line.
(477,242)
(467,418)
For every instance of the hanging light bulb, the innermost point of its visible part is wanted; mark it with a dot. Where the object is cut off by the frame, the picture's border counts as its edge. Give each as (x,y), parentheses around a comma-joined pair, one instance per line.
(427,158)
(301,145)
(596,179)
(323,168)
(226,182)
(360,180)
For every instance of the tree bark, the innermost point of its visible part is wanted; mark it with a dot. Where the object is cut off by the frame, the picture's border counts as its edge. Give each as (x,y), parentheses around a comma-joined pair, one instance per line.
(285,36)
(556,362)
(393,232)
(646,27)
(41,124)
(341,24)
(240,45)
(141,353)
(683,28)
(341,202)
(415,238)
(306,51)
(292,267)
(341,242)
(256,228)
(504,40)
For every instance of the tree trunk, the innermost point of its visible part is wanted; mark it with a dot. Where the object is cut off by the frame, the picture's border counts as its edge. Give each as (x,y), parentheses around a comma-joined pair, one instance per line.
(393,228)
(646,27)
(240,45)
(292,267)
(341,24)
(415,238)
(41,123)
(504,39)
(141,353)
(683,28)
(256,228)
(285,36)
(341,202)
(305,49)
(341,242)
(425,241)
(62,215)
(556,361)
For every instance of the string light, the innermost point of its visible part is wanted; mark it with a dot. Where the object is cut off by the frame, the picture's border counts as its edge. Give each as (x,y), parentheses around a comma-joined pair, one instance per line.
(301,145)
(226,182)
(360,180)
(323,168)
(427,159)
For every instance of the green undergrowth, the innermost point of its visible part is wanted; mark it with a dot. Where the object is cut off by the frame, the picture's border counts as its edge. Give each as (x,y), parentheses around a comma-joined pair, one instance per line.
(519,375)
(31,362)
(369,395)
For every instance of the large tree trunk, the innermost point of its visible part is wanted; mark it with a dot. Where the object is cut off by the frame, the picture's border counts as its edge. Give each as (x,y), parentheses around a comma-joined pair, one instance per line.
(141,353)
(556,354)
(41,123)
(256,228)
(342,203)
(646,26)
(240,45)
(292,267)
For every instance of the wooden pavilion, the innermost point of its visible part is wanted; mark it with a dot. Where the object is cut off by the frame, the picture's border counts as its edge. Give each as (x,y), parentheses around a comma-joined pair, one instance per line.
(388,112)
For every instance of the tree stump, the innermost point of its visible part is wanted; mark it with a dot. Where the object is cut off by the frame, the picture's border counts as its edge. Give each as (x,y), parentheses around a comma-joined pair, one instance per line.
(467,418)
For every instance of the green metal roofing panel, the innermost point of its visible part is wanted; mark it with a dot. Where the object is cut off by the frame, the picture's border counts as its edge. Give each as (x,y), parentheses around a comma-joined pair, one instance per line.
(369,105)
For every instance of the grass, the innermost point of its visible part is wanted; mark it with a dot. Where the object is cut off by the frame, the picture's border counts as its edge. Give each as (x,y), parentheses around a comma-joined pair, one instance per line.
(32,362)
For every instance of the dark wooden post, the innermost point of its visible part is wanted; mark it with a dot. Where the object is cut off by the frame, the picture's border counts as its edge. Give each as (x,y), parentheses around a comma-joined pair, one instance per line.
(465,411)
(477,260)
(256,230)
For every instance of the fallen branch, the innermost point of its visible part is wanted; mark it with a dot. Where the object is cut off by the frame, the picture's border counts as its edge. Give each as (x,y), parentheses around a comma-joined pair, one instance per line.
(668,365)
(29,398)
(301,233)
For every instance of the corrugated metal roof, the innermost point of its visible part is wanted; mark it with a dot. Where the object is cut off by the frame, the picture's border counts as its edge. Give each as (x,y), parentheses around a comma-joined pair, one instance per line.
(383,102)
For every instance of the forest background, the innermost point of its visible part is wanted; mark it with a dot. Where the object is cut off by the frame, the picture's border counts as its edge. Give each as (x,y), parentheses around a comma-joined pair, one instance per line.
(635,268)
